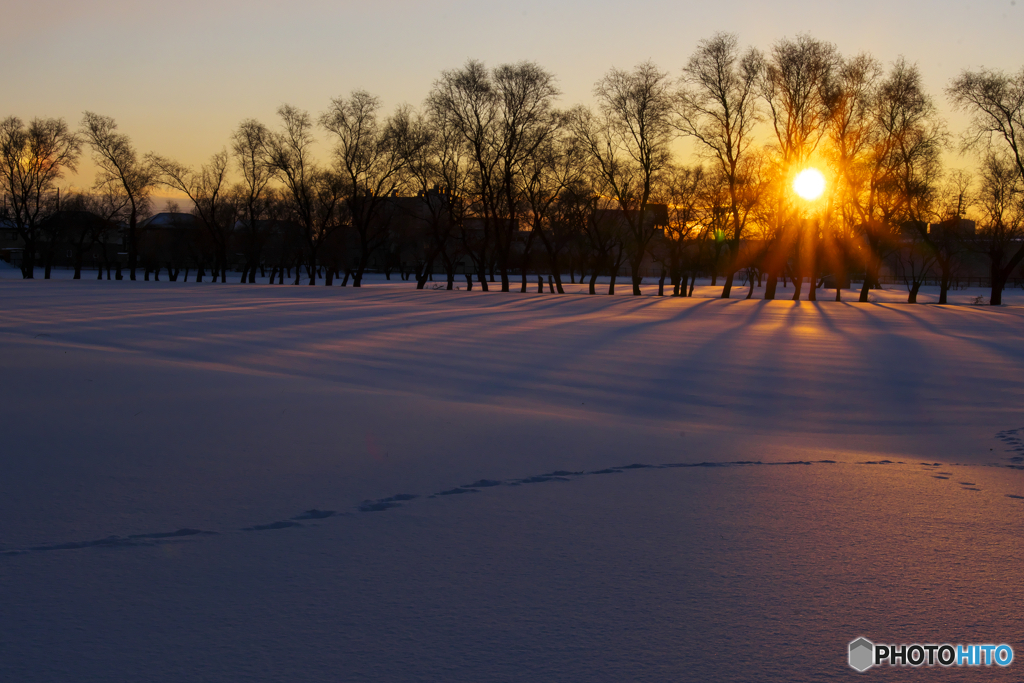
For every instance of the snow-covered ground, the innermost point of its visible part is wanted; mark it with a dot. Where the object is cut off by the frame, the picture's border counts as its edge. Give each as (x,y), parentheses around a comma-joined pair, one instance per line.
(237,482)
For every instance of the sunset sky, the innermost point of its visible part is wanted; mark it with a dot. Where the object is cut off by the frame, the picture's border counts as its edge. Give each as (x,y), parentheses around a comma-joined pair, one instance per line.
(178,77)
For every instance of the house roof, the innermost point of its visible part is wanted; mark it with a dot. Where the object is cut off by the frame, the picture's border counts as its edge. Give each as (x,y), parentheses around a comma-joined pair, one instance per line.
(79,220)
(170,221)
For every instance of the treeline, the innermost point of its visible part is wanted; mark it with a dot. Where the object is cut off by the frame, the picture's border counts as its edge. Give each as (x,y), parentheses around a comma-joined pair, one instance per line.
(490,175)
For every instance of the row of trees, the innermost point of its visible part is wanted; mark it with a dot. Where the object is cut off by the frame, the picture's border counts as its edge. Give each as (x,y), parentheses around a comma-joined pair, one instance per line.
(500,172)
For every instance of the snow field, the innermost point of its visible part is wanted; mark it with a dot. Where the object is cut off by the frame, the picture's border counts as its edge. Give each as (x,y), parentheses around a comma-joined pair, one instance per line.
(148,411)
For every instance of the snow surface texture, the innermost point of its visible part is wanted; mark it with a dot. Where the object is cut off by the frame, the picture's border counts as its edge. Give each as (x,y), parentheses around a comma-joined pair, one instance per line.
(231,483)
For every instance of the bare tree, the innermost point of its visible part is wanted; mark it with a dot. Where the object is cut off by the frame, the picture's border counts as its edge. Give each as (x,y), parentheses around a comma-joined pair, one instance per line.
(564,228)
(83,222)
(717,107)
(526,95)
(213,203)
(438,170)
(605,232)
(914,258)
(504,116)
(948,238)
(677,249)
(111,204)
(313,192)
(120,167)
(556,165)
(864,134)
(1001,199)
(908,117)
(995,101)
(371,155)
(793,85)
(852,136)
(32,159)
(465,101)
(249,145)
(628,142)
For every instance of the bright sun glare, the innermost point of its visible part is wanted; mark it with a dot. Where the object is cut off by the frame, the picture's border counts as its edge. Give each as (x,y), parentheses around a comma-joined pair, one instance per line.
(809,184)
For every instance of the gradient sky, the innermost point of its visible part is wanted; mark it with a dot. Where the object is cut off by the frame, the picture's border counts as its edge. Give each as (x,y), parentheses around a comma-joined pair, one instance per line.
(179,76)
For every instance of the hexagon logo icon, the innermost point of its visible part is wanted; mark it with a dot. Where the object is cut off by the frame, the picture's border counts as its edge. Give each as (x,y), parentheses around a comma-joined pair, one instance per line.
(862,654)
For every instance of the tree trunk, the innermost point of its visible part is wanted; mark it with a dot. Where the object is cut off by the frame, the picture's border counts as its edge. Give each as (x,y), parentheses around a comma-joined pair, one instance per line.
(313,267)
(133,251)
(865,288)
(727,289)
(998,284)
(944,282)
(914,289)
(482,277)
(503,270)
(28,261)
(770,286)
(556,271)
(637,276)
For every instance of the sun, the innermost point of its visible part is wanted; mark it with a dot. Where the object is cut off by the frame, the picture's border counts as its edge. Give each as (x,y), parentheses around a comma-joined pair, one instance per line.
(809,184)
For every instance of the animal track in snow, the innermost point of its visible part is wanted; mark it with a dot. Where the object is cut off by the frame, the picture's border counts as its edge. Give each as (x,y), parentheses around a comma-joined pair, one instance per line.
(398,500)
(114,541)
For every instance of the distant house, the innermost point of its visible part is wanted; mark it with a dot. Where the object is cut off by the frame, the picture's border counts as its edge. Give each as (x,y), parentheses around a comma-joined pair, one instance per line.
(170,238)
(169,221)
(79,238)
(912,230)
(616,220)
(11,246)
(962,228)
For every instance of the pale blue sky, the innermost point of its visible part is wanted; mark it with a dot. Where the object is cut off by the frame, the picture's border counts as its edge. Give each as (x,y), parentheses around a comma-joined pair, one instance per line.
(178,76)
